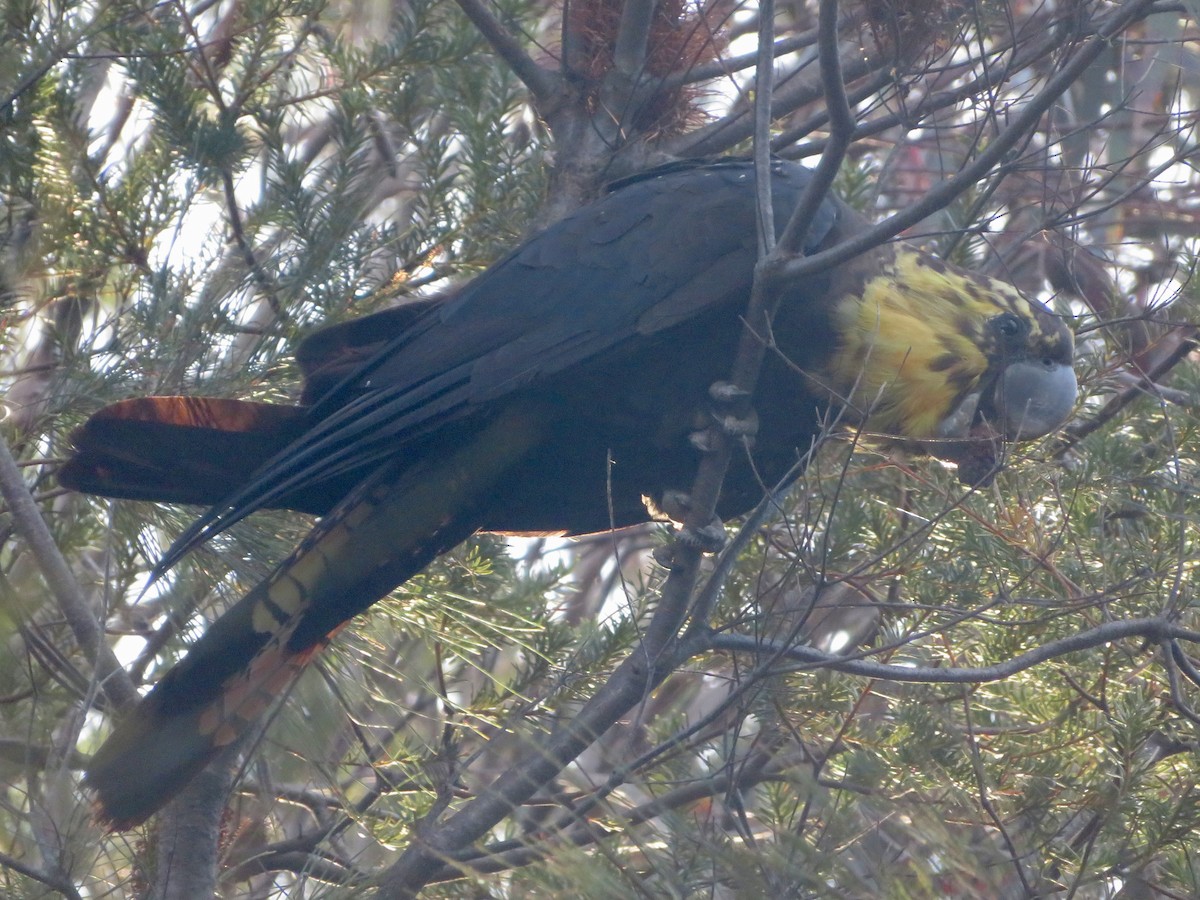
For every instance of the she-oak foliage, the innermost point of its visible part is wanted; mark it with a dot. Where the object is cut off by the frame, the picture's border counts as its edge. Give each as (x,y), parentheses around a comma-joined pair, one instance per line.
(175,218)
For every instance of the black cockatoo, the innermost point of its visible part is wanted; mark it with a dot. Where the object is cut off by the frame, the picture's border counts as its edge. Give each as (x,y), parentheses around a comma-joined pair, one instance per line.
(554,393)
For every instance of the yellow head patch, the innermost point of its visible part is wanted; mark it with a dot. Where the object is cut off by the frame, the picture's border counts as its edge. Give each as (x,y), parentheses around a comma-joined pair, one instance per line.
(915,341)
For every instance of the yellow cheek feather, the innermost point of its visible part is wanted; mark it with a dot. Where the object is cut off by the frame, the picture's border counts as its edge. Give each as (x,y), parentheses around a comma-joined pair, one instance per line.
(913,343)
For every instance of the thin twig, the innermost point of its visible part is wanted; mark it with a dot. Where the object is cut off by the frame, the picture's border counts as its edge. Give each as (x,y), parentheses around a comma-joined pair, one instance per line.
(580,832)
(792,93)
(1171,653)
(841,122)
(725,67)
(55,881)
(264,281)
(1075,432)
(943,194)
(62,583)
(985,801)
(541,82)
(1155,629)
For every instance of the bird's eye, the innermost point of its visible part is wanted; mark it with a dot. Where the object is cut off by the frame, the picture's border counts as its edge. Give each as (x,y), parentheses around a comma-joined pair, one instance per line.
(1008,325)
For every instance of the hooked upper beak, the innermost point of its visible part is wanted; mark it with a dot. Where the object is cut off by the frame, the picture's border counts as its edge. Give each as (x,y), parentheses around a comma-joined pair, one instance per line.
(1032,398)
(1029,399)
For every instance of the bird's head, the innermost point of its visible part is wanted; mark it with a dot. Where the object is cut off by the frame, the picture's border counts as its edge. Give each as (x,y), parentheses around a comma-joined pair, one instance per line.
(950,362)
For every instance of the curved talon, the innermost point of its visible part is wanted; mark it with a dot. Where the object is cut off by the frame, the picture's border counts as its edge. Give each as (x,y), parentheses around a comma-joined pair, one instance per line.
(727,393)
(739,426)
(676,505)
(743,428)
(709,539)
(731,410)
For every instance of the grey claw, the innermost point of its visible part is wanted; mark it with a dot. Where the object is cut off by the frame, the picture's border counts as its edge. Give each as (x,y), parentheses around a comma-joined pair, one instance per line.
(702,440)
(731,412)
(709,539)
(726,392)
(676,504)
(739,426)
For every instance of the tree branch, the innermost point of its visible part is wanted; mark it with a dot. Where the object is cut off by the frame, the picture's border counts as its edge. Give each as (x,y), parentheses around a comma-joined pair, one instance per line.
(541,82)
(1156,630)
(76,610)
(1179,345)
(911,117)
(53,881)
(791,93)
(629,53)
(579,832)
(724,67)
(943,194)
(841,121)
(650,662)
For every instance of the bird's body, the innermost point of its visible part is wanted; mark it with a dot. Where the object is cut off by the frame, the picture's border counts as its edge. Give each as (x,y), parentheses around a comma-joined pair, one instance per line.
(552,394)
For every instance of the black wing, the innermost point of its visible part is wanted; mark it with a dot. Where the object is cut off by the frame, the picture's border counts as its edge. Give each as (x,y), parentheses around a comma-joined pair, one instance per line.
(661,249)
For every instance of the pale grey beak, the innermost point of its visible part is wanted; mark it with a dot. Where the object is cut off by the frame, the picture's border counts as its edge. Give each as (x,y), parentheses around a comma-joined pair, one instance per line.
(1032,398)
(1029,399)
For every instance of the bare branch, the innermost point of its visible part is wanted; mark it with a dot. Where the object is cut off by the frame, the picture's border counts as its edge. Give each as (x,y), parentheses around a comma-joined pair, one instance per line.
(721,67)
(67,594)
(762,131)
(985,801)
(542,83)
(578,832)
(943,194)
(1174,659)
(1024,55)
(1179,344)
(629,54)
(791,92)
(841,131)
(1155,630)
(54,881)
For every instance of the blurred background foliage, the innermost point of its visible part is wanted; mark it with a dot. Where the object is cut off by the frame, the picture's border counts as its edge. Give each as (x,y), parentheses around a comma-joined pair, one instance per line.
(188,188)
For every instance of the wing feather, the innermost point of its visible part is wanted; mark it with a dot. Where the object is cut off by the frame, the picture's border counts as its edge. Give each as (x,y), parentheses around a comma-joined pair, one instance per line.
(657,252)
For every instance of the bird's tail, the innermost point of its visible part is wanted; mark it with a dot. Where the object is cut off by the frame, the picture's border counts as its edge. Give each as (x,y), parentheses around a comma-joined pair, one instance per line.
(384,532)
(178,449)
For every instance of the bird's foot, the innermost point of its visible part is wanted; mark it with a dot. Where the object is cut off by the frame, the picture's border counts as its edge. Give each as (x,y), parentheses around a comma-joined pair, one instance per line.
(726,393)
(710,538)
(730,413)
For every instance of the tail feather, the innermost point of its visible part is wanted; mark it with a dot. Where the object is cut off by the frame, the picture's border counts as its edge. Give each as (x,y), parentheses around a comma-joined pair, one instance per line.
(185,722)
(185,450)
(252,654)
(334,352)
(388,529)
(201,449)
